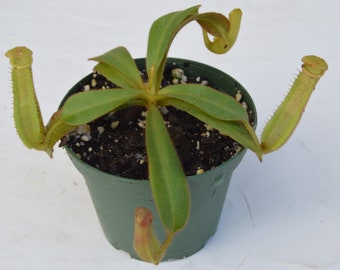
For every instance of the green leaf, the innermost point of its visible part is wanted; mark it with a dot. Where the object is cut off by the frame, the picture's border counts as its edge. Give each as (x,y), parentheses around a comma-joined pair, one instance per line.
(118,66)
(211,101)
(161,34)
(240,131)
(164,30)
(85,107)
(168,182)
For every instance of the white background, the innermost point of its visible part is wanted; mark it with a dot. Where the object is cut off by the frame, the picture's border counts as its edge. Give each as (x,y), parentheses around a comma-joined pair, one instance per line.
(281,214)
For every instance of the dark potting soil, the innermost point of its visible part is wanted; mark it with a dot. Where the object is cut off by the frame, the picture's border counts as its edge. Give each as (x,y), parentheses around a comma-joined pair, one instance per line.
(115,143)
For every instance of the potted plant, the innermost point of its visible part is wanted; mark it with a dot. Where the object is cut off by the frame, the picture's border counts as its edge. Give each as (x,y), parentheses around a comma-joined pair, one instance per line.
(148,92)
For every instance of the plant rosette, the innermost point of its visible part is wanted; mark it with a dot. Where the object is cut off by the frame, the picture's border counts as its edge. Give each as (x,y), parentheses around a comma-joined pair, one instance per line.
(173,195)
(116,198)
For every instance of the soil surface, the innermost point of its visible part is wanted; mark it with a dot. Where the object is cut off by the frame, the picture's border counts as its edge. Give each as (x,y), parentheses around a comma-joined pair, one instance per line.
(115,143)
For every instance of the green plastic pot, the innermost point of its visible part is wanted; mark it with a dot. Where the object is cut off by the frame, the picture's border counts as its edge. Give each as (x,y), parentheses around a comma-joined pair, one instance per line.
(115,198)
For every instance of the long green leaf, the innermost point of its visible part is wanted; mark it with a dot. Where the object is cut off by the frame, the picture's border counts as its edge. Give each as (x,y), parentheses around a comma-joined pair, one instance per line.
(161,34)
(164,30)
(84,107)
(213,102)
(168,182)
(118,66)
(240,131)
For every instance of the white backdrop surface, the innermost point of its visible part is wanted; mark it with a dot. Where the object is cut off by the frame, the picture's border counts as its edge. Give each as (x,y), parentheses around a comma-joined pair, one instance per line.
(281,214)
